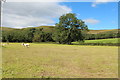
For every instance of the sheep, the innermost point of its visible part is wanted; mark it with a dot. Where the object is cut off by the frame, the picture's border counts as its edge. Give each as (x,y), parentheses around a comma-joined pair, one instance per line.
(3,45)
(26,45)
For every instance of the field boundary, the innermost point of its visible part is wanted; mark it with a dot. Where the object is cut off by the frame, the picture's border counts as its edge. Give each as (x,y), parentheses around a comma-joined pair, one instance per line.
(99,44)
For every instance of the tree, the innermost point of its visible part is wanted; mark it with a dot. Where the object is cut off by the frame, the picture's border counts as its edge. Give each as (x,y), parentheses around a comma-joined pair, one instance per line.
(67,29)
(28,34)
(38,35)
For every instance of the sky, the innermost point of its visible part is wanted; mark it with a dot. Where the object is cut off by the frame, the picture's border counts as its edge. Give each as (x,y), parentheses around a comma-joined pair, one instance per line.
(96,15)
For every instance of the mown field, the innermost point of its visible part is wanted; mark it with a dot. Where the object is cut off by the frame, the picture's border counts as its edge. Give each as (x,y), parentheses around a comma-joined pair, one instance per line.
(59,61)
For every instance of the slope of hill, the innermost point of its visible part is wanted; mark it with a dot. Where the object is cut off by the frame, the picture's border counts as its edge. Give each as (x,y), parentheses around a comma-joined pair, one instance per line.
(51,29)
(7,28)
(47,28)
(103,31)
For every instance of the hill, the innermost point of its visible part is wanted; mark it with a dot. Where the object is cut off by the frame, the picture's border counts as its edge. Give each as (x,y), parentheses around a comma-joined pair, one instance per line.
(51,29)
(103,31)
(47,28)
(7,28)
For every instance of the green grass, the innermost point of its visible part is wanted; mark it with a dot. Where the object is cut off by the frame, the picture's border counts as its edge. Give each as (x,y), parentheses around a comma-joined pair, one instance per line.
(59,61)
(113,40)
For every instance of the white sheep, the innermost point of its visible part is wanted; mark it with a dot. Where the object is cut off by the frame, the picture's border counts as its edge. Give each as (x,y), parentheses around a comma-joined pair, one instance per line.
(26,45)
(3,45)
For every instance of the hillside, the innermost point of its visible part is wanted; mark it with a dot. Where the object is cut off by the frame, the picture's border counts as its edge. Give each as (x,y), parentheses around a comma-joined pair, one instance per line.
(47,28)
(103,31)
(51,29)
(7,29)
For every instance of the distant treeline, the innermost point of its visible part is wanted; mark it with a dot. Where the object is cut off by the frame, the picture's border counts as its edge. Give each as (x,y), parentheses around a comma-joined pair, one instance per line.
(39,35)
(26,35)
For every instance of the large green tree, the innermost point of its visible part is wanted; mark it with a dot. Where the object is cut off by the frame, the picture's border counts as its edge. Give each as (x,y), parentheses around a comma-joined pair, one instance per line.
(69,29)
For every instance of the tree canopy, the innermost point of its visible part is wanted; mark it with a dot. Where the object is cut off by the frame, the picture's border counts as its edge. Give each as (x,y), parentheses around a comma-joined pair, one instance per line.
(67,29)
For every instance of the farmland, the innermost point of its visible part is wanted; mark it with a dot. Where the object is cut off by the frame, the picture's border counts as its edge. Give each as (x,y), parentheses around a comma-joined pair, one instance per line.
(112,40)
(59,61)
(59,40)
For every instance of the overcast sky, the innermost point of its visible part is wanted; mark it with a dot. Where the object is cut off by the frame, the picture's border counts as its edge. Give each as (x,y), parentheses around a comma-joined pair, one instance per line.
(97,15)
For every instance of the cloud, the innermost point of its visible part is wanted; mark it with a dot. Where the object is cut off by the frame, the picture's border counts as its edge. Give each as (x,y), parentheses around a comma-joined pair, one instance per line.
(91,21)
(78,14)
(23,14)
(96,2)
(35,0)
(61,0)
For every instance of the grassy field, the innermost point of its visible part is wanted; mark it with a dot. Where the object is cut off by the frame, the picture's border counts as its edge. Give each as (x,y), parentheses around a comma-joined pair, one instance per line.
(112,40)
(59,61)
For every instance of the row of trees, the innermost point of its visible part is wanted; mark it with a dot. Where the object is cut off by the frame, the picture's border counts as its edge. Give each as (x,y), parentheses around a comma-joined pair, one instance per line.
(26,35)
(61,35)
